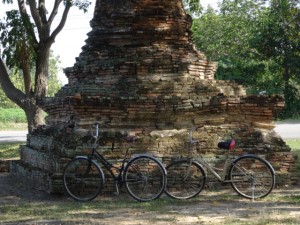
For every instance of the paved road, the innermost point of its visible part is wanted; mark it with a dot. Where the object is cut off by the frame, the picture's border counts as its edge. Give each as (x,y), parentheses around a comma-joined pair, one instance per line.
(285,130)
(13,136)
(288,130)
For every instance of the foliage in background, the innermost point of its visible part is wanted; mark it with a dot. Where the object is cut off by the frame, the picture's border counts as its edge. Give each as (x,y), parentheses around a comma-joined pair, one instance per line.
(12,115)
(257,44)
(26,36)
(277,38)
(193,7)
(54,83)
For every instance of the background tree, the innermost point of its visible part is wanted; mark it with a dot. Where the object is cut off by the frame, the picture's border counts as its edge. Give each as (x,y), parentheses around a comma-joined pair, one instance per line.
(26,37)
(193,7)
(16,76)
(256,43)
(277,38)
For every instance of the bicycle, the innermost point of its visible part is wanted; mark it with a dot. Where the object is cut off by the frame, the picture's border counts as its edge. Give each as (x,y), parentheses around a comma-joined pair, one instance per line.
(143,175)
(250,176)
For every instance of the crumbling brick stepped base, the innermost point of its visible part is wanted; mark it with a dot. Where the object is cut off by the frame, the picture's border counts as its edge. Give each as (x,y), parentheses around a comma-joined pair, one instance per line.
(140,73)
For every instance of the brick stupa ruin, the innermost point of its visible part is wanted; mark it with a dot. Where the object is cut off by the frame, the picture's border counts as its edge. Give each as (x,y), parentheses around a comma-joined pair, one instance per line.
(140,73)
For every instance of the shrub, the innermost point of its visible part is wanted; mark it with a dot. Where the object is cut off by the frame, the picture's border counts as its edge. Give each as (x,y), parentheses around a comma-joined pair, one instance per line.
(12,115)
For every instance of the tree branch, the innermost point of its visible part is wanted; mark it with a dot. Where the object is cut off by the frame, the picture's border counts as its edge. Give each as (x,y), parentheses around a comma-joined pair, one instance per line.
(35,15)
(54,11)
(43,11)
(26,20)
(62,22)
(9,89)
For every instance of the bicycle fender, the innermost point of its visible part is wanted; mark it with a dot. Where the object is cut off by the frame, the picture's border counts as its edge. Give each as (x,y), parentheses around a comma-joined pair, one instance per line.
(97,165)
(256,157)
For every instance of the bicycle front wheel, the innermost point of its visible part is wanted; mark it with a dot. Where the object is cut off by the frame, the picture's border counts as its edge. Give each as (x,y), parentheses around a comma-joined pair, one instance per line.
(252,177)
(185,179)
(145,178)
(83,179)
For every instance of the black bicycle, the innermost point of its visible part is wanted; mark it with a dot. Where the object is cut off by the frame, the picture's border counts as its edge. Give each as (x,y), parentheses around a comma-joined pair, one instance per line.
(143,175)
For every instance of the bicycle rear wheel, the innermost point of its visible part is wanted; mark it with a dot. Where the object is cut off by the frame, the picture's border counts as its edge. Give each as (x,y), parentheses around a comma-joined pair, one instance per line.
(252,177)
(145,178)
(185,179)
(83,179)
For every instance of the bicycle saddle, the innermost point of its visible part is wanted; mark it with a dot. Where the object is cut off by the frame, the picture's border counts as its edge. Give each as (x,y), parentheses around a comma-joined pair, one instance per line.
(227,144)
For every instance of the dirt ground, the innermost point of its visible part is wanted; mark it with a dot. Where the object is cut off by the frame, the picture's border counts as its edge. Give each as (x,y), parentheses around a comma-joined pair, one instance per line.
(211,207)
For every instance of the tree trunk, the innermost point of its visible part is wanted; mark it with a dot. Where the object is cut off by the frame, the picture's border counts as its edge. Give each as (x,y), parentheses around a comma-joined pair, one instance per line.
(28,103)
(42,65)
(34,115)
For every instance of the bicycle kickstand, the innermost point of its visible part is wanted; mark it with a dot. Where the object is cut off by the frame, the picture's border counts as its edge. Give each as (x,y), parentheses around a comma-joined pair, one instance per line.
(117,192)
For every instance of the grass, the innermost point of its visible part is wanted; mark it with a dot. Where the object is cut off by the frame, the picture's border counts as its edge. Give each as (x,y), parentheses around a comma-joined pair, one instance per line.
(295,146)
(270,217)
(293,143)
(12,119)
(165,210)
(13,126)
(10,150)
(74,211)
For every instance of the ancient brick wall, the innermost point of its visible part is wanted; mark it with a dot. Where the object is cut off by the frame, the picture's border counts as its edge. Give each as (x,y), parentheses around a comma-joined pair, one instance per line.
(140,73)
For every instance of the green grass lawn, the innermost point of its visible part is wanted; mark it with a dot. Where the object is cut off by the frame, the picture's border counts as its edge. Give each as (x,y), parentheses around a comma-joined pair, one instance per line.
(10,150)
(12,119)
(294,143)
(13,126)
(108,210)
(295,146)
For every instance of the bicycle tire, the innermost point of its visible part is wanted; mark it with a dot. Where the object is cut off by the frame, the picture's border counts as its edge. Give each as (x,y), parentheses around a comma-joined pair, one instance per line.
(252,177)
(185,179)
(145,178)
(83,179)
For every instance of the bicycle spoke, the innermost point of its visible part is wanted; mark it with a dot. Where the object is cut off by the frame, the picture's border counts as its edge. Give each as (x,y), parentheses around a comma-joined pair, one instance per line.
(83,180)
(145,178)
(251,177)
(184,179)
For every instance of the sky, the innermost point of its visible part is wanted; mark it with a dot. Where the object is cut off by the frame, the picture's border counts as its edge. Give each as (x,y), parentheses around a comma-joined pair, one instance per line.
(72,38)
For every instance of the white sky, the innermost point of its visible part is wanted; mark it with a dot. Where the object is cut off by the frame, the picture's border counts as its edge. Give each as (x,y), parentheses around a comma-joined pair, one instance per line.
(70,40)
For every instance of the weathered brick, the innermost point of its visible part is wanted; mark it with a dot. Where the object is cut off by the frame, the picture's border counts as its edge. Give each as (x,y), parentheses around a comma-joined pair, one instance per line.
(140,73)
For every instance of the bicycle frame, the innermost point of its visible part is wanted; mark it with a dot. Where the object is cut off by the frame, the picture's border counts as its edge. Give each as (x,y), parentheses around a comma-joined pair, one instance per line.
(228,163)
(222,177)
(118,179)
(200,160)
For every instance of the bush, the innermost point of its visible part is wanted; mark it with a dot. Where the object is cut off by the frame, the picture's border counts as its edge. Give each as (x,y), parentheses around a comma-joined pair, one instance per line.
(12,115)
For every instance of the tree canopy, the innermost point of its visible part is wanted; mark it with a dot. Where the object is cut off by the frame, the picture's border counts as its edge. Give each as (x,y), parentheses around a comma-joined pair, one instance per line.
(256,43)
